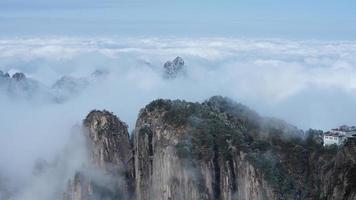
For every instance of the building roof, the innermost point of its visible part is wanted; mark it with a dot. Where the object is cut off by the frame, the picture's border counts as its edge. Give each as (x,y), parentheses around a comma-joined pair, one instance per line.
(333,134)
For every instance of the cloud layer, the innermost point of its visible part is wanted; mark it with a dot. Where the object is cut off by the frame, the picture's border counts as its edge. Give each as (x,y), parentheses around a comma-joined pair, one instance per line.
(307,83)
(266,74)
(272,70)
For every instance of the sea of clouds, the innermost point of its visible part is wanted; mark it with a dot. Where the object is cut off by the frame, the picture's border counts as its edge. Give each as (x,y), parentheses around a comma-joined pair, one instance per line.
(311,84)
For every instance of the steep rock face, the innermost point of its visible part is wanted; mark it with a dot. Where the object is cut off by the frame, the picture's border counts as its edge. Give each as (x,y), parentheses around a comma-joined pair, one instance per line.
(250,181)
(160,173)
(109,142)
(95,185)
(217,149)
(223,150)
(186,151)
(79,188)
(295,165)
(339,176)
(110,173)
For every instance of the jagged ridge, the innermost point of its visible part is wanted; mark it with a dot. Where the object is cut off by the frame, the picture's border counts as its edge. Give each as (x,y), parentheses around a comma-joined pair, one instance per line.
(219,149)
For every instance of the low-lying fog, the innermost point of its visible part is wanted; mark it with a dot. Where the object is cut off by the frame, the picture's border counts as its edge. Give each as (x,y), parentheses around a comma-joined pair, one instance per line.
(310,84)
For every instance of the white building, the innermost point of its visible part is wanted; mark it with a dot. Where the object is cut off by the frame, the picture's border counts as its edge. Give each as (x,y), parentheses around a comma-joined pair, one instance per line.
(339,135)
(333,138)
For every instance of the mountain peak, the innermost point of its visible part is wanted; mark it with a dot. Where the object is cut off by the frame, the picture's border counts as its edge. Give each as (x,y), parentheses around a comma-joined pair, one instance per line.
(4,75)
(174,68)
(19,76)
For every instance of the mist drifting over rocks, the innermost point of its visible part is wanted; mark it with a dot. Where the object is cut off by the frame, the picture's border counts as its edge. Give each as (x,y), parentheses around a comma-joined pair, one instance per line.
(307,83)
(262,73)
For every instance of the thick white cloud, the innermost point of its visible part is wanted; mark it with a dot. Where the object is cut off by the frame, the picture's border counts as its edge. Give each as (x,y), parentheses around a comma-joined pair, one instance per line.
(272,70)
(307,83)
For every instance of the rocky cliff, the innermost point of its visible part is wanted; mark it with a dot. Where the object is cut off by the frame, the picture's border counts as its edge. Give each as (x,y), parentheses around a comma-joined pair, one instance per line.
(191,152)
(217,149)
(109,174)
(173,69)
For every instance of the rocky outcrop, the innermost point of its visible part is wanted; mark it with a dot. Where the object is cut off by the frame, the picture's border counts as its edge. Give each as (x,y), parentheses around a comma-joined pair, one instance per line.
(213,150)
(338,176)
(174,68)
(160,173)
(109,142)
(80,188)
(180,153)
(94,185)
(110,172)
(223,150)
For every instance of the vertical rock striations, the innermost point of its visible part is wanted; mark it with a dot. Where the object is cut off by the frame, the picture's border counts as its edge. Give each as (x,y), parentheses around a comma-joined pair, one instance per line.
(160,172)
(223,150)
(110,147)
(338,176)
(110,172)
(213,150)
(186,151)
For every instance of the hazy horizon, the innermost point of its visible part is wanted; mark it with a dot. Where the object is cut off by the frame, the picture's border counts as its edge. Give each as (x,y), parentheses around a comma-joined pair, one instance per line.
(320,20)
(295,61)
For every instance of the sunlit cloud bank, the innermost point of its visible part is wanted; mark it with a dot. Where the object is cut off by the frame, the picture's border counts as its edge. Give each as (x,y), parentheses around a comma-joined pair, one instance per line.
(307,83)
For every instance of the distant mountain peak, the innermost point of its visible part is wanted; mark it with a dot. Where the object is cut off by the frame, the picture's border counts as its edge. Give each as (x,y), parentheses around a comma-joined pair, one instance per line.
(174,68)
(4,75)
(19,76)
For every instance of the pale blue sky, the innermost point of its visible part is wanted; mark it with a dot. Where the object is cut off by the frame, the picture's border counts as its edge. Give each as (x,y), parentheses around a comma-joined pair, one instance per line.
(311,19)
